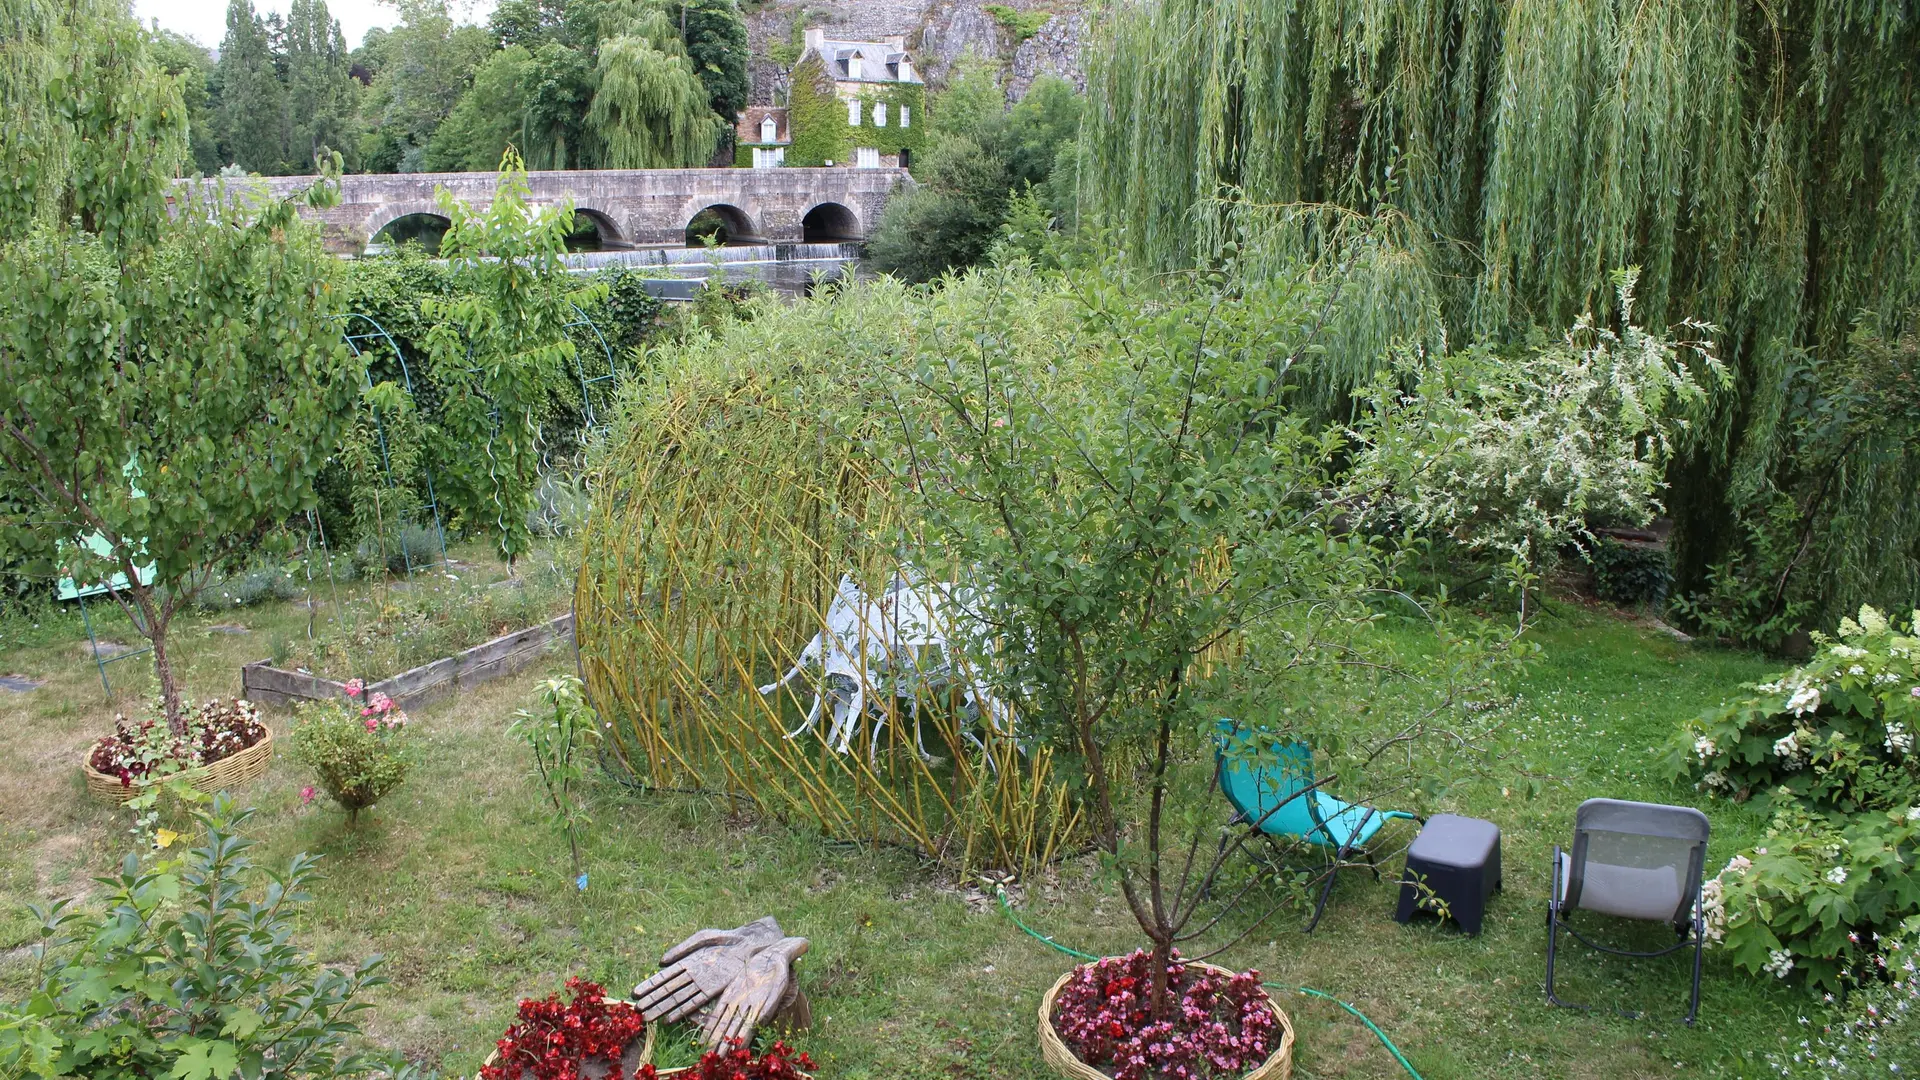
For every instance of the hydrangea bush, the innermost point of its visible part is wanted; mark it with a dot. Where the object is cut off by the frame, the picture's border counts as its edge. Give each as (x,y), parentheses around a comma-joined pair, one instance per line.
(1837,730)
(1219,1026)
(1818,895)
(1878,1035)
(359,754)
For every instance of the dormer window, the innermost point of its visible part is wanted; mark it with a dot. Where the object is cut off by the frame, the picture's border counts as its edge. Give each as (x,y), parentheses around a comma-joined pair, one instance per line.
(854,67)
(853,113)
(879,114)
(769,130)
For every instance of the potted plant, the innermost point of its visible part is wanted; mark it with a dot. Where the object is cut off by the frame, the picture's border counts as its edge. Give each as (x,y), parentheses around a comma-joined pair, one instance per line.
(1159,539)
(223,744)
(1097,1023)
(735,1061)
(588,1038)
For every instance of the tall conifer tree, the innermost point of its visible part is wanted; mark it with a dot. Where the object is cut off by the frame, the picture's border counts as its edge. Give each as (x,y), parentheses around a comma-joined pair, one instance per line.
(253,104)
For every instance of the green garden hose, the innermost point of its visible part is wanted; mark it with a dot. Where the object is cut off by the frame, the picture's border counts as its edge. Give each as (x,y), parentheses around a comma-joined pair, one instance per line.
(1001,894)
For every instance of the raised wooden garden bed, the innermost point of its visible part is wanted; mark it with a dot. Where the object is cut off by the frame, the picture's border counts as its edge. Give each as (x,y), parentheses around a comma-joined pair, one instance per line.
(269,685)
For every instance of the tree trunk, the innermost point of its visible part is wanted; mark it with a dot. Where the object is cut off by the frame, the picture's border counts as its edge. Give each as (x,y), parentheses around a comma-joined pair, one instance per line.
(163,670)
(1157,1000)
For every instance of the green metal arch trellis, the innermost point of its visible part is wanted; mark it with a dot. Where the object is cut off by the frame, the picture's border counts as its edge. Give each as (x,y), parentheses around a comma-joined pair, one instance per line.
(359,341)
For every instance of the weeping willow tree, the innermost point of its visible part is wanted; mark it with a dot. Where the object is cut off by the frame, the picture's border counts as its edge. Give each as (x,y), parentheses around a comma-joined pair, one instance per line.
(650,109)
(1760,162)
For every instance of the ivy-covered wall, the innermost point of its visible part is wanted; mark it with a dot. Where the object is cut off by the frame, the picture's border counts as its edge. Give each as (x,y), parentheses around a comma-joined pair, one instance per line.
(817,118)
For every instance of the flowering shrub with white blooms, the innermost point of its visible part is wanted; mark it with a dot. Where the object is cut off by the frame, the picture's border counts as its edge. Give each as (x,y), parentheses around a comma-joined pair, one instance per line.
(1875,1031)
(1837,730)
(1817,895)
(1533,446)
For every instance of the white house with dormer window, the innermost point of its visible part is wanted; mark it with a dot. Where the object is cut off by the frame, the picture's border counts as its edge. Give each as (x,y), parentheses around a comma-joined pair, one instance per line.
(867,78)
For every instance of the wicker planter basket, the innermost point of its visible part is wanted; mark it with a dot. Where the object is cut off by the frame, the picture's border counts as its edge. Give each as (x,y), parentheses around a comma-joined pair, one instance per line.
(638,1053)
(229,771)
(1278,1066)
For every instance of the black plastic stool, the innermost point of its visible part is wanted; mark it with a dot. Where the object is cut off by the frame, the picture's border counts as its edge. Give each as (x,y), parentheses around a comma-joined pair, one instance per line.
(1458,859)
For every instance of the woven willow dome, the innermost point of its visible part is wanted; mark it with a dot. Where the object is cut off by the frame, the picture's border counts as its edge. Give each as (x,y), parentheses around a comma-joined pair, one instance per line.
(731,532)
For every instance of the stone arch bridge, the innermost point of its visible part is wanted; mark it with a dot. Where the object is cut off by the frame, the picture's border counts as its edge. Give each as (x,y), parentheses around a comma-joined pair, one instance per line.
(630,207)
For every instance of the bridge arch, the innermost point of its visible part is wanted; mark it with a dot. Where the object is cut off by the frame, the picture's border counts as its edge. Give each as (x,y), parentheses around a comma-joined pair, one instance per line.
(830,223)
(735,224)
(599,221)
(413,220)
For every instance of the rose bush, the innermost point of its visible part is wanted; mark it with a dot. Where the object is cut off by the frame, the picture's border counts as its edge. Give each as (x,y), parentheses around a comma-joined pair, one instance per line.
(1837,730)
(1218,1025)
(553,1041)
(359,754)
(1818,895)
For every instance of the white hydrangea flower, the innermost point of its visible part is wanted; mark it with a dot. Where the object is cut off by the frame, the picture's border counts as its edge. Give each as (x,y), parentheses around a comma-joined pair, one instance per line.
(1848,652)
(1913,813)
(1787,746)
(1899,739)
(1837,875)
(1856,670)
(1703,747)
(1849,628)
(1715,780)
(1872,621)
(1779,962)
(1804,700)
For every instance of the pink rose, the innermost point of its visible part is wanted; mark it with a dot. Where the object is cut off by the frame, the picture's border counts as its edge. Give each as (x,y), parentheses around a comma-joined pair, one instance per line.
(306,795)
(355,687)
(372,724)
(380,702)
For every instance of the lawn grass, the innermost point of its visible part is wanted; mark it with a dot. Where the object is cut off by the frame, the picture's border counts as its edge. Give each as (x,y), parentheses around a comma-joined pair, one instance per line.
(461,882)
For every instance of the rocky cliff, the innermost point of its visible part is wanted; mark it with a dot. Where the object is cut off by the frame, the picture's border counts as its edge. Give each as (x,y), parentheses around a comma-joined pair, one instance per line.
(940,34)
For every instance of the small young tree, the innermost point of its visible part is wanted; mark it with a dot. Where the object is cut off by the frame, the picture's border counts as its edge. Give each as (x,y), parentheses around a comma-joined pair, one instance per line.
(499,345)
(170,383)
(1157,539)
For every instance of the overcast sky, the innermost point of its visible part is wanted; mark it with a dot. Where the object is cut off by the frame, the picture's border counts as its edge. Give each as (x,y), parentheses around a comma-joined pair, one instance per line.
(205,21)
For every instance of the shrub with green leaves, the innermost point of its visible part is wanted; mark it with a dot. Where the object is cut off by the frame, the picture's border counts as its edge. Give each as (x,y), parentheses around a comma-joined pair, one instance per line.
(1837,731)
(359,754)
(1880,1028)
(1630,572)
(1817,895)
(191,972)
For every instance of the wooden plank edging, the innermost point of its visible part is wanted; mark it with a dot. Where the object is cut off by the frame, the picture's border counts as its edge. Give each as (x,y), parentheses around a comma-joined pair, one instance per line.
(262,682)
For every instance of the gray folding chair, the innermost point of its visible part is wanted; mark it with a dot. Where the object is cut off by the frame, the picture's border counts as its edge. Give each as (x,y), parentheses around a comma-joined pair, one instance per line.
(1631,860)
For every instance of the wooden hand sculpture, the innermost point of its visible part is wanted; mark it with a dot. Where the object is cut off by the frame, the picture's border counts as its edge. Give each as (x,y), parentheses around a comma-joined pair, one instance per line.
(695,971)
(756,994)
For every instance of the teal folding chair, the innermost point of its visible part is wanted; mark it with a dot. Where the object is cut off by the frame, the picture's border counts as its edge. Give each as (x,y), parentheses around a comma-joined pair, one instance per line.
(1275,800)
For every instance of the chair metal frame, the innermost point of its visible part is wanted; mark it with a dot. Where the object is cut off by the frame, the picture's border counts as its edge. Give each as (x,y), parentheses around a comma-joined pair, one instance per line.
(1689,927)
(1296,764)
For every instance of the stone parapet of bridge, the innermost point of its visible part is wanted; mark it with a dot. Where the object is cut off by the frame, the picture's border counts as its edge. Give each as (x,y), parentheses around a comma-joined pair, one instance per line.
(637,207)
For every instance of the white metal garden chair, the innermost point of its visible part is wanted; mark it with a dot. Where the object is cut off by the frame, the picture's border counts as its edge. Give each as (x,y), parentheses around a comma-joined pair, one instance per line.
(872,650)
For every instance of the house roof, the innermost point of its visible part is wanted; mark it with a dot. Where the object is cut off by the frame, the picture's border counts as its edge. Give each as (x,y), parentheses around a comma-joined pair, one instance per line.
(747,127)
(838,53)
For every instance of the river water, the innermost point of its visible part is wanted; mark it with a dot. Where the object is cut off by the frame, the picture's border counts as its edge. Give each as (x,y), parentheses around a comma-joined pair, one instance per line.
(790,269)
